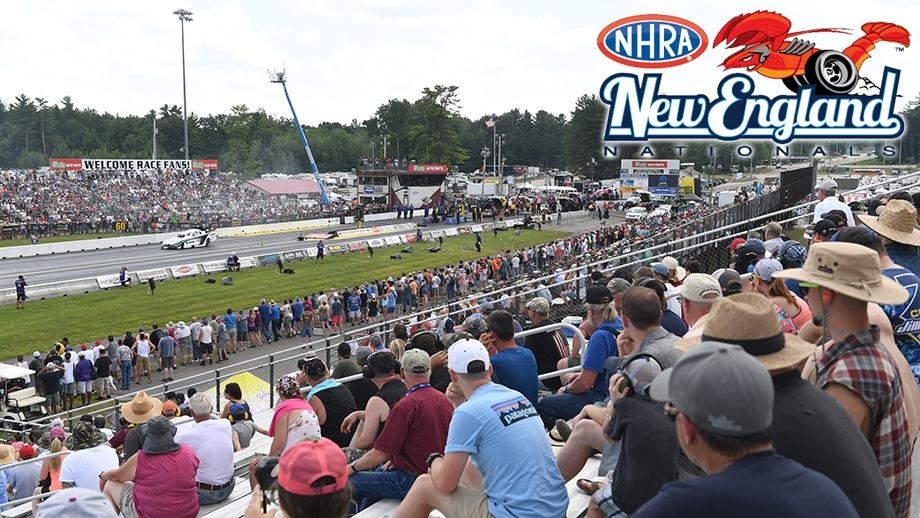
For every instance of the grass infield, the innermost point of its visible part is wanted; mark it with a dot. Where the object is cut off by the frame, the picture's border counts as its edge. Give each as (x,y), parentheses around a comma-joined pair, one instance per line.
(84,318)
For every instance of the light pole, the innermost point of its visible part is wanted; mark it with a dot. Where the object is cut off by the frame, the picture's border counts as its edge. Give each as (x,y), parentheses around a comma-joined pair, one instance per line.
(184,16)
(485,154)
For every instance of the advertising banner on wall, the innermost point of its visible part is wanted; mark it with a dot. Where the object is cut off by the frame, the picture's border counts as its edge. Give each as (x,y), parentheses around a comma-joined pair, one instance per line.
(130,164)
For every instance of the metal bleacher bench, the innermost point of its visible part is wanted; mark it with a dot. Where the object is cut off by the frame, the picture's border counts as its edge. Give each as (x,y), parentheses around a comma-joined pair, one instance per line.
(24,398)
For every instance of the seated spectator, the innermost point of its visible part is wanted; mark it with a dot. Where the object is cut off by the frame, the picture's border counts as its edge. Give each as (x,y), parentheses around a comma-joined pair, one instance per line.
(159,480)
(312,481)
(416,426)
(596,300)
(809,426)
(49,475)
(91,455)
(697,295)
(857,370)
(792,311)
(431,343)
(345,366)
(729,280)
(294,419)
(242,426)
(170,409)
(548,347)
(670,320)
(362,388)
(331,400)
(234,395)
(721,399)
(499,431)
(642,331)
(137,412)
(22,479)
(515,367)
(212,442)
(648,448)
(74,502)
(589,385)
(383,369)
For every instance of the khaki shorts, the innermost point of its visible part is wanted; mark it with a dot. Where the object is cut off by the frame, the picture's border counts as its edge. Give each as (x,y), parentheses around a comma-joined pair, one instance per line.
(143,363)
(127,501)
(469,503)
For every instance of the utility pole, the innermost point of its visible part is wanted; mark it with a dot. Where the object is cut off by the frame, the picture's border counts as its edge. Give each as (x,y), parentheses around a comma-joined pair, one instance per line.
(184,16)
(154,135)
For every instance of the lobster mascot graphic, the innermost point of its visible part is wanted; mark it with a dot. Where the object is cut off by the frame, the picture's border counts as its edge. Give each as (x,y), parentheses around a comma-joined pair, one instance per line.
(767,50)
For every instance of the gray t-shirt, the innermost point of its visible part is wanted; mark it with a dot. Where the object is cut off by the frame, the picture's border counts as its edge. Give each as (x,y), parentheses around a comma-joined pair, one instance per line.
(244,429)
(24,479)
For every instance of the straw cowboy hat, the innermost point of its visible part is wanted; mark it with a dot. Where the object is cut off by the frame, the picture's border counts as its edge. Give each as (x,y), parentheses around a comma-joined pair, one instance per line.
(897,221)
(848,269)
(140,409)
(749,320)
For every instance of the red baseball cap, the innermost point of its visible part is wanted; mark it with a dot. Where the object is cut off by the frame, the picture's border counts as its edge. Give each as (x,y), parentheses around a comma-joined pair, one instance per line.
(26,452)
(736,243)
(312,468)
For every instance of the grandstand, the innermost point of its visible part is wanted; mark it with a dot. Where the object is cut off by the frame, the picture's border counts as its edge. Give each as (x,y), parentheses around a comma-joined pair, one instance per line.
(702,237)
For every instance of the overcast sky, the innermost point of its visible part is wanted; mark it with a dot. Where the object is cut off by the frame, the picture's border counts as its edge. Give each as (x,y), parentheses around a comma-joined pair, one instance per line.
(344,58)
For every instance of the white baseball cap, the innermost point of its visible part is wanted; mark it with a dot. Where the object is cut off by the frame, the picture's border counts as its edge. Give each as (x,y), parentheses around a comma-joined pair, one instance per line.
(468,356)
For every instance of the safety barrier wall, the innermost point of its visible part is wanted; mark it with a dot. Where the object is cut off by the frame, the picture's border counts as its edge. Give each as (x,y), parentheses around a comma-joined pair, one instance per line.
(83,245)
(385,233)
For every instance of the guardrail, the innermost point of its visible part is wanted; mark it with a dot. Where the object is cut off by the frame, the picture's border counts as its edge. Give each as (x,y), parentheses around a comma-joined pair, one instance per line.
(82,245)
(385,233)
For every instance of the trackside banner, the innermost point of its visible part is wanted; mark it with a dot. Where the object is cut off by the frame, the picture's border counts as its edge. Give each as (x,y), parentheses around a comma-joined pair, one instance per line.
(129,164)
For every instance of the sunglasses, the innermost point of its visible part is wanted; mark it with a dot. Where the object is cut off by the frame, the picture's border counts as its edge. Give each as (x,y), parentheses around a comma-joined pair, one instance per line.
(805,286)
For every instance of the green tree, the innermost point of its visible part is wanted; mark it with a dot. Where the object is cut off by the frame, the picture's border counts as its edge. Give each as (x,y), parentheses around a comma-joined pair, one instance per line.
(433,134)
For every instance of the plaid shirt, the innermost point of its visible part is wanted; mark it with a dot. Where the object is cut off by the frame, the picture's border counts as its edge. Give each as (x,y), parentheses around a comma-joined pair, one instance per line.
(860,364)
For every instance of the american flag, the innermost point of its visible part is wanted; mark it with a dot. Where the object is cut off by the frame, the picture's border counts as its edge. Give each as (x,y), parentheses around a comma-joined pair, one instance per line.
(490,123)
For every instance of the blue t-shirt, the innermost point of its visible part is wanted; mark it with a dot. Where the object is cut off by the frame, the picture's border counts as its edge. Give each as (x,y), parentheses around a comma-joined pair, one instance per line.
(503,433)
(265,312)
(354,303)
(276,312)
(516,368)
(297,310)
(673,323)
(760,485)
(602,345)
(230,321)
(905,318)
(20,286)
(335,308)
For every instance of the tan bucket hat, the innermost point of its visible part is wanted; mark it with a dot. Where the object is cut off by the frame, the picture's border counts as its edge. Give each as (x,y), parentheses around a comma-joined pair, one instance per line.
(140,409)
(897,221)
(679,271)
(749,320)
(848,269)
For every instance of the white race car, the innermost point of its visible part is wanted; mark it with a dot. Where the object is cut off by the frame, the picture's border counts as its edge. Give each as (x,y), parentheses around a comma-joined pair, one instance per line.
(192,238)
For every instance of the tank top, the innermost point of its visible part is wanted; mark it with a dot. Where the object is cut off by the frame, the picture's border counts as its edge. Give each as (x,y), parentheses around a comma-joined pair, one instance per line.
(164,484)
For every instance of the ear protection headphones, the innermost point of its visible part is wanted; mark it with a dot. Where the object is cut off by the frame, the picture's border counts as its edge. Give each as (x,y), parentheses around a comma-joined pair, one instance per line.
(381,362)
(413,344)
(232,420)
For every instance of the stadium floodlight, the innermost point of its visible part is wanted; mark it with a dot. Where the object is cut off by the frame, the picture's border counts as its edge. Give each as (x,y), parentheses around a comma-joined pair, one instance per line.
(184,16)
(280,77)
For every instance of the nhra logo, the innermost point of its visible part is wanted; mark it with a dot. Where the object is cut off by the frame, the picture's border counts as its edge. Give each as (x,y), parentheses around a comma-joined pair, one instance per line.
(652,41)
(823,105)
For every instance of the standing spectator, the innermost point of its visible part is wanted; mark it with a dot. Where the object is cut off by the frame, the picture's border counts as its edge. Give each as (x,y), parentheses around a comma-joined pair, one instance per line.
(320,250)
(206,342)
(500,431)
(50,380)
(103,367)
(184,339)
(416,424)
(68,382)
(167,347)
(142,352)
(336,315)
(158,480)
(276,321)
(265,315)
(91,457)
(20,292)
(721,400)
(195,332)
(35,365)
(230,322)
(212,441)
(331,400)
(841,279)
(22,479)
(124,355)
(83,373)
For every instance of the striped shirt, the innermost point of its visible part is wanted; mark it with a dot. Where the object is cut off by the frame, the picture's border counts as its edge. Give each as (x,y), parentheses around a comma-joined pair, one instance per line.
(862,365)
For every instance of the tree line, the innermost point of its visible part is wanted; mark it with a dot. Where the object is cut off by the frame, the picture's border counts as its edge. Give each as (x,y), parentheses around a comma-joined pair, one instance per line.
(429,129)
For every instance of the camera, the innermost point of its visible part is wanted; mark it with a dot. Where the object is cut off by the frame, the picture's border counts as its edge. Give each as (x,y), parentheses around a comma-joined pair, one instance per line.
(267,472)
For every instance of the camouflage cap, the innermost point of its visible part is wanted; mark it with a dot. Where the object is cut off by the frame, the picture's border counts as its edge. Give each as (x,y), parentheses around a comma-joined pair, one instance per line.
(86,435)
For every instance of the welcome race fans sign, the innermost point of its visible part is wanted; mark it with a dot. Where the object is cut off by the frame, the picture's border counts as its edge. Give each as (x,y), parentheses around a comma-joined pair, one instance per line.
(129,164)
